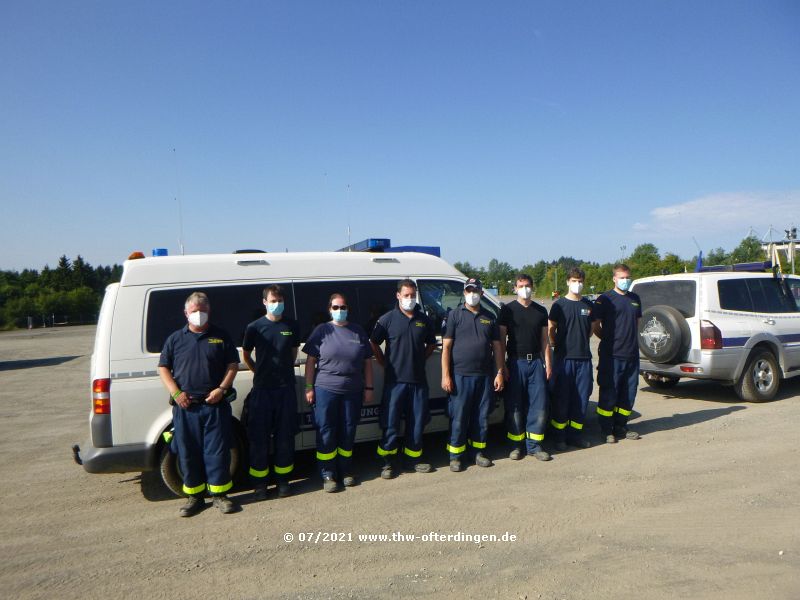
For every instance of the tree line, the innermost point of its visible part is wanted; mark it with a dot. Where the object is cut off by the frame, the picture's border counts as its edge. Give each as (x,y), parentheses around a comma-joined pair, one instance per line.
(70,293)
(645,260)
(73,291)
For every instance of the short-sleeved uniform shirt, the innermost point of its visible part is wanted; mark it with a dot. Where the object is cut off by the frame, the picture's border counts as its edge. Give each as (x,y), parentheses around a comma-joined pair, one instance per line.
(472,335)
(573,319)
(198,361)
(340,351)
(273,342)
(619,314)
(406,339)
(525,326)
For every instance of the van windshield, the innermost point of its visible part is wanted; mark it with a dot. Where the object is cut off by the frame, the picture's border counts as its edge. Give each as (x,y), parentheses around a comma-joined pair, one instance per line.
(440,296)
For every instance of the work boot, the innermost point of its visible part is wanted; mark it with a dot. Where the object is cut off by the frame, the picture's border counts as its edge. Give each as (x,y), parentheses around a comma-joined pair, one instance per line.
(610,439)
(541,455)
(455,466)
(422,467)
(632,435)
(194,504)
(348,481)
(482,461)
(387,470)
(516,454)
(284,490)
(561,447)
(260,492)
(224,504)
(329,484)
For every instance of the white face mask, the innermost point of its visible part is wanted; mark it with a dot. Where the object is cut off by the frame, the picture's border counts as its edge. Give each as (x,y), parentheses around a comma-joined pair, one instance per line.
(524,293)
(472,298)
(576,287)
(198,319)
(407,303)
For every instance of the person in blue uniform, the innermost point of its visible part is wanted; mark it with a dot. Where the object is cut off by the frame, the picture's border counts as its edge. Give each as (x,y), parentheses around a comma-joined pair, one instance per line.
(410,339)
(523,331)
(338,378)
(617,313)
(198,364)
(570,328)
(272,404)
(472,370)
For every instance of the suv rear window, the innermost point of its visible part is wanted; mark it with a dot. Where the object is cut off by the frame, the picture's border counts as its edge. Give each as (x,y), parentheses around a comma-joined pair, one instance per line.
(679,294)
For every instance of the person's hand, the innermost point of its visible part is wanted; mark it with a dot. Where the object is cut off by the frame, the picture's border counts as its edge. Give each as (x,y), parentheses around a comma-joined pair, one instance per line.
(367,396)
(447,384)
(310,398)
(499,382)
(215,396)
(183,400)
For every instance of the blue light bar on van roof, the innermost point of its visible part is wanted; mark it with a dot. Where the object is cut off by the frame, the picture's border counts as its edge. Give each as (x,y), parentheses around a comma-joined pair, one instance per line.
(368,245)
(752,267)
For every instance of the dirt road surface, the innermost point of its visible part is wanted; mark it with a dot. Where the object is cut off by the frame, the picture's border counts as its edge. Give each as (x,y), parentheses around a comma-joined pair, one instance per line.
(705,505)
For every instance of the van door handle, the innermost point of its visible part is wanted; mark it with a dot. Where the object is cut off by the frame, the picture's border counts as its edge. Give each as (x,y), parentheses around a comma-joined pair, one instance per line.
(769,321)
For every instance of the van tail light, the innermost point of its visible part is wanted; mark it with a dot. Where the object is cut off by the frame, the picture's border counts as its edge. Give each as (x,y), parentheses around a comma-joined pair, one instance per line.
(101,396)
(710,336)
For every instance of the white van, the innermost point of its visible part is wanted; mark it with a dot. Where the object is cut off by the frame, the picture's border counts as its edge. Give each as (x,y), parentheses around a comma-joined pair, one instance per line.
(130,410)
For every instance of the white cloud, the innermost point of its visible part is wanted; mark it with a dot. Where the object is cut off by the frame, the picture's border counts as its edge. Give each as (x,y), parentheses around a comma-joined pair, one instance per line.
(728,214)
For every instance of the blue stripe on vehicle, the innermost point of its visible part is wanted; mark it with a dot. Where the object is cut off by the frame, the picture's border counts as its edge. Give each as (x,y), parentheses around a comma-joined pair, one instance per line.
(789,338)
(733,342)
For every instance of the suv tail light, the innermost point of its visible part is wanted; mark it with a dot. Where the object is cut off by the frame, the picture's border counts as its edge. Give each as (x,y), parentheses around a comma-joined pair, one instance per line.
(101,396)
(710,336)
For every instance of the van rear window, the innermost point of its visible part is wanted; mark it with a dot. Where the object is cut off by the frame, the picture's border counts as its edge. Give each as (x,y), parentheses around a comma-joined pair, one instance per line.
(679,294)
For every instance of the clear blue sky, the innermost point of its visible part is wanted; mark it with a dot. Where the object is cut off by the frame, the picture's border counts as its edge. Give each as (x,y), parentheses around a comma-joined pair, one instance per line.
(509,130)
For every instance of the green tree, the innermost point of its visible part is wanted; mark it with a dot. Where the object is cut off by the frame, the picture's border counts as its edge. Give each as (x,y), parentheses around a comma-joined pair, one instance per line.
(644,261)
(717,256)
(748,250)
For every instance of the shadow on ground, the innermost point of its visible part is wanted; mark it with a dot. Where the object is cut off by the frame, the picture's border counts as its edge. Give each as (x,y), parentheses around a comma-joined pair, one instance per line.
(13,365)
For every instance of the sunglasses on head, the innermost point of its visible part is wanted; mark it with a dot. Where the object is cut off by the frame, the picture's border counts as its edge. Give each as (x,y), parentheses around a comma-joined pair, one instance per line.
(337,307)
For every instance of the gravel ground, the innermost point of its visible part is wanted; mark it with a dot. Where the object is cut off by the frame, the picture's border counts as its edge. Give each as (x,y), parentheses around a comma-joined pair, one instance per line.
(705,505)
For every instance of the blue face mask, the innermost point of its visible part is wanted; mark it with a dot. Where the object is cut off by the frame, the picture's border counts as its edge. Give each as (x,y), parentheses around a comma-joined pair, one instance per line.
(624,283)
(275,308)
(339,315)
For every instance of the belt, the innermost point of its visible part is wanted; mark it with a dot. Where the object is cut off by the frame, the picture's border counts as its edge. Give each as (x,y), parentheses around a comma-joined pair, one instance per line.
(528,357)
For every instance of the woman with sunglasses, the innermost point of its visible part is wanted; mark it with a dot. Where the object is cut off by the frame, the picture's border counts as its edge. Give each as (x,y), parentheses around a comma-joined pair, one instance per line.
(338,377)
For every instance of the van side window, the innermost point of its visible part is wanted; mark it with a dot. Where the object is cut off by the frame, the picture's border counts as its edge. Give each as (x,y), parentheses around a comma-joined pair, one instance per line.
(366,301)
(733,295)
(232,308)
(794,291)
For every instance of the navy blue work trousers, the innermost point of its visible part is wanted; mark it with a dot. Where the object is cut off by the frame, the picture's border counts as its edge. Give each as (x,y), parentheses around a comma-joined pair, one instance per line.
(271,417)
(336,417)
(202,439)
(409,402)
(526,402)
(618,380)
(572,388)
(468,407)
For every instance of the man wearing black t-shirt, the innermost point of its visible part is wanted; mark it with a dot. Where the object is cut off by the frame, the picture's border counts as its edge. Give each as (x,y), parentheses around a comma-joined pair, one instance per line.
(569,329)
(523,323)
(617,313)
(271,405)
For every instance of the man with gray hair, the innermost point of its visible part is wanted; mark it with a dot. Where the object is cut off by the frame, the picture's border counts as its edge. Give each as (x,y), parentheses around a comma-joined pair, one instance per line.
(197,366)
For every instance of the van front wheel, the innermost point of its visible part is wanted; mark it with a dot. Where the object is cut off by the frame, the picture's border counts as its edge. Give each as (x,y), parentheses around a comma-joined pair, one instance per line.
(760,378)
(170,470)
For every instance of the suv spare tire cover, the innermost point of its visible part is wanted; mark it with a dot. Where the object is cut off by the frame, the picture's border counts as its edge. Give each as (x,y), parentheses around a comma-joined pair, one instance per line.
(663,334)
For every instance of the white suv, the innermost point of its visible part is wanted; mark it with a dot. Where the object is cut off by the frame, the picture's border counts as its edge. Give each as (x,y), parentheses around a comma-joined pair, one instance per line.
(733,327)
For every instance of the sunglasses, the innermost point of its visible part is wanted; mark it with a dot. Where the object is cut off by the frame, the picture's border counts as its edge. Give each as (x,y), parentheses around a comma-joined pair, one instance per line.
(335,307)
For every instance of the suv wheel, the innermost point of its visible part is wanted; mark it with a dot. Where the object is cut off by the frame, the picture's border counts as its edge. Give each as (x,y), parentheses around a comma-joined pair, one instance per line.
(660,381)
(760,378)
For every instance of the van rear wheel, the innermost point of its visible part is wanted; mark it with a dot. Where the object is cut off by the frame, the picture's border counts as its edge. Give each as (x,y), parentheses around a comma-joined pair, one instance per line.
(760,379)
(170,470)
